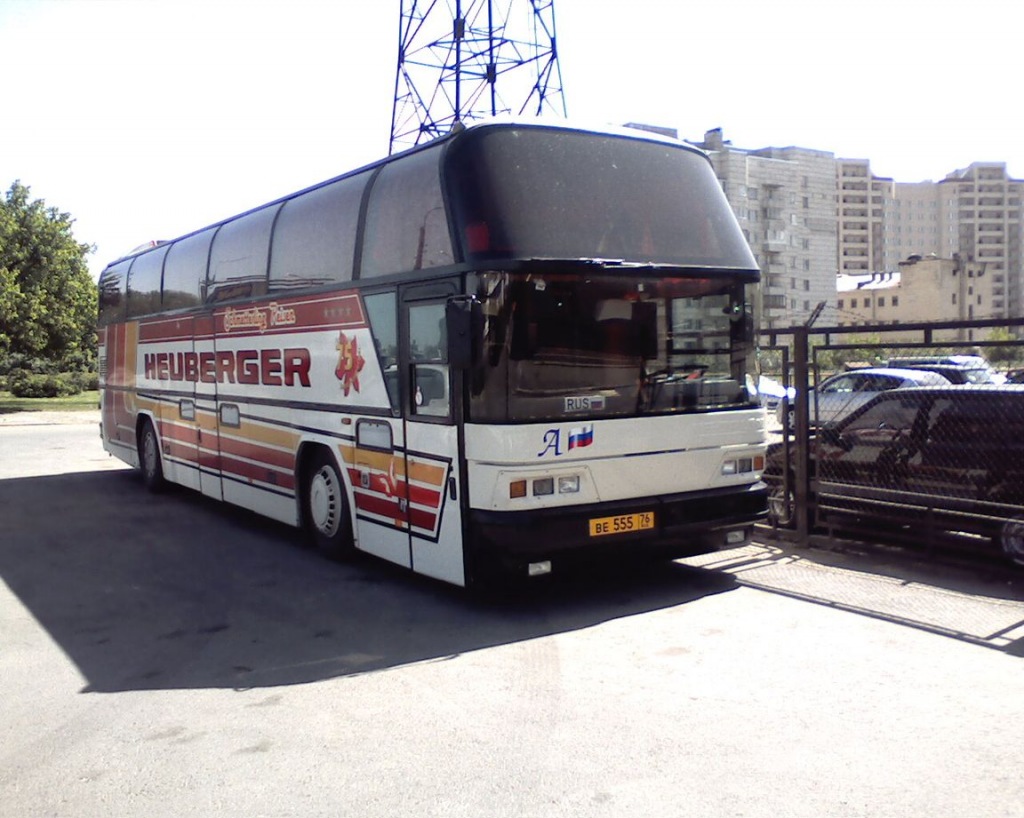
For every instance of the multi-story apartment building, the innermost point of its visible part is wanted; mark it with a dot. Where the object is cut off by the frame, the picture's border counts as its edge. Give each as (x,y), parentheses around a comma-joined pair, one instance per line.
(785,200)
(809,217)
(974,214)
(990,228)
(922,290)
(863,204)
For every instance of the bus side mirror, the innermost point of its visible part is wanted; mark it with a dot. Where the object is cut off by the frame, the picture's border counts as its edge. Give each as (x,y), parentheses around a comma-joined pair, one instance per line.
(464,317)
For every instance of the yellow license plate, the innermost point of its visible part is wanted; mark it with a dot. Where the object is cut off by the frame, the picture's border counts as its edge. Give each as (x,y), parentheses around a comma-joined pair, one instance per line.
(621,524)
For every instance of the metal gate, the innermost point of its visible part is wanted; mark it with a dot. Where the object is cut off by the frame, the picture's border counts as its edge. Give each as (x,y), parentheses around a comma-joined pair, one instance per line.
(903,468)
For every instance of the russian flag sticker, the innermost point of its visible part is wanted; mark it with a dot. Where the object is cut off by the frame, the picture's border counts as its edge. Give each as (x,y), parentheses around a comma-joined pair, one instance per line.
(581,436)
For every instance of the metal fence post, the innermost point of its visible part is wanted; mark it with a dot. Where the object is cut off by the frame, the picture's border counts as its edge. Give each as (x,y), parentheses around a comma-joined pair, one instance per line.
(801,431)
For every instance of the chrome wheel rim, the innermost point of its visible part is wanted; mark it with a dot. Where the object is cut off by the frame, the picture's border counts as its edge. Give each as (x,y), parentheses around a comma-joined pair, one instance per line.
(324,501)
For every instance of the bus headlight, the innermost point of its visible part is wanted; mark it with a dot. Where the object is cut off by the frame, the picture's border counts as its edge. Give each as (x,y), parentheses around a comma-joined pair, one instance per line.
(569,484)
(743,465)
(543,486)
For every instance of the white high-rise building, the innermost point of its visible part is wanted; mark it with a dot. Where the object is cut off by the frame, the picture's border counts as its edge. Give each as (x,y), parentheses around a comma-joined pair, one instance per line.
(863,204)
(974,214)
(809,216)
(785,200)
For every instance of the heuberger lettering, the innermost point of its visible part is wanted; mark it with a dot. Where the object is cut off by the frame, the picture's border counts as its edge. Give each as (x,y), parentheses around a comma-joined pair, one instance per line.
(270,367)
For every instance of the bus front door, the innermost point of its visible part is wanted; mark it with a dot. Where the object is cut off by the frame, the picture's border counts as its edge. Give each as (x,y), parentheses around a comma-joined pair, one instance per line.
(431,439)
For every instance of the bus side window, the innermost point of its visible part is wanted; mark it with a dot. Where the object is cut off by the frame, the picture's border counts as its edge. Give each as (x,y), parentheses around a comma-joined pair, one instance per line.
(144,283)
(406,222)
(315,236)
(113,289)
(428,352)
(239,258)
(383,319)
(185,270)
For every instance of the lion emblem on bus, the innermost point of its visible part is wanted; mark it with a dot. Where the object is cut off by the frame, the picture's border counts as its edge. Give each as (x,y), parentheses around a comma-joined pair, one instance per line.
(350,363)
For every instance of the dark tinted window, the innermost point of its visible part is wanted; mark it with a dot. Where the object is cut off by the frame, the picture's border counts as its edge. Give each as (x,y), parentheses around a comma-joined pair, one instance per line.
(981,418)
(185,270)
(406,224)
(842,384)
(887,414)
(315,236)
(144,283)
(113,282)
(540,193)
(241,250)
(878,383)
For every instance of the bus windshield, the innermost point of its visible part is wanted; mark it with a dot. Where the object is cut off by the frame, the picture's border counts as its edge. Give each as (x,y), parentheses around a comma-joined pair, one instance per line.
(557,345)
(533,193)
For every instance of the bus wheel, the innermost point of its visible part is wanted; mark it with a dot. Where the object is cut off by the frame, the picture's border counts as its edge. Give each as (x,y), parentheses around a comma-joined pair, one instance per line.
(326,510)
(1011,538)
(149,457)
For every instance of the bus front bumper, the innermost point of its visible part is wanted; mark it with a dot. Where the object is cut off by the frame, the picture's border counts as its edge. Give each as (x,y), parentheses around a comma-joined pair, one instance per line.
(515,542)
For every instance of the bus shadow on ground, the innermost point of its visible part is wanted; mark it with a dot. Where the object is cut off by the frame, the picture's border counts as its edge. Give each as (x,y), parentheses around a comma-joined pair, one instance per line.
(176,591)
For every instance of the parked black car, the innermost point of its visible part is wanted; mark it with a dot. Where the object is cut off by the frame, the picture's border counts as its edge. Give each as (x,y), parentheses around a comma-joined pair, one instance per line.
(950,458)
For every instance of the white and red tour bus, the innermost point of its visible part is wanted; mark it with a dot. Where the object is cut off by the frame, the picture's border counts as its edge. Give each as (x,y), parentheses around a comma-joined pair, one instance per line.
(516,345)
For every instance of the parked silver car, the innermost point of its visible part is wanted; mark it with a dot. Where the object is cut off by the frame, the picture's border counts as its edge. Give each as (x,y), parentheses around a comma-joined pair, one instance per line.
(837,396)
(954,368)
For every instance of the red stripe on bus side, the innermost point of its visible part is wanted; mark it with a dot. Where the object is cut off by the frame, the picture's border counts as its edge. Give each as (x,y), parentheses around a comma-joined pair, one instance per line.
(337,312)
(375,504)
(423,520)
(181,451)
(209,459)
(253,471)
(166,330)
(420,496)
(381,485)
(253,451)
(180,434)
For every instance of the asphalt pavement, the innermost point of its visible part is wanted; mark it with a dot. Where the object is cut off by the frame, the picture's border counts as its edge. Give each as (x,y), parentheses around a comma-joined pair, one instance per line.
(169,656)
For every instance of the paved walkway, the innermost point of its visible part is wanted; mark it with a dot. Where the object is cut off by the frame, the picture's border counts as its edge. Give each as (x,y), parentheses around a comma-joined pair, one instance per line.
(47,418)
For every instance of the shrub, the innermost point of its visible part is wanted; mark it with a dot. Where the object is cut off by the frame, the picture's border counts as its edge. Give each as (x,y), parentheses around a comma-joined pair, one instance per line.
(24,384)
(16,362)
(86,381)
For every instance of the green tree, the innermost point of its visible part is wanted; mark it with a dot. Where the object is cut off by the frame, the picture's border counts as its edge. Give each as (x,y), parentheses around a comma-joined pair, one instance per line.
(1010,353)
(47,297)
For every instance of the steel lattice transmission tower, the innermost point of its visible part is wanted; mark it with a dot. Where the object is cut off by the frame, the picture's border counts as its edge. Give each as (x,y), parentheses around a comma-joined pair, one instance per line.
(467,59)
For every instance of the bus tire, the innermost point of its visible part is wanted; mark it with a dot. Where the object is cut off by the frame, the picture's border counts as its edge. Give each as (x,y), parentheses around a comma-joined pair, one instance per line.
(325,508)
(149,457)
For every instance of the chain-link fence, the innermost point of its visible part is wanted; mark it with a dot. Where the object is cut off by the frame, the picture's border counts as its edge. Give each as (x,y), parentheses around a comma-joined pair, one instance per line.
(911,433)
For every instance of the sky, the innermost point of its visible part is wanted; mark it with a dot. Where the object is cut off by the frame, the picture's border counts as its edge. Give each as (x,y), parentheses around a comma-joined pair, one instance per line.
(147,119)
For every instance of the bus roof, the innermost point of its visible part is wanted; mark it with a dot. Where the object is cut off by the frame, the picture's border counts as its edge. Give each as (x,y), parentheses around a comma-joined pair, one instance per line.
(578,126)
